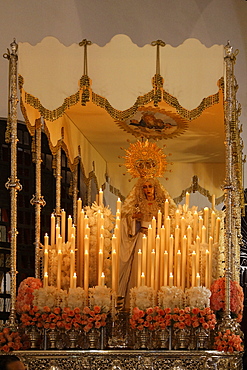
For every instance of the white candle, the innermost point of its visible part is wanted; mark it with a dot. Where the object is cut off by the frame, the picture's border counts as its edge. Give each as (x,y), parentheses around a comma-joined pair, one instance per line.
(52,229)
(69,225)
(182,227)
(165,268)
(207,270)
(177,218)
(100,266)
(46,240)
(102,279)
(114,270)
(195,224)
(171,247)
(119,204)
(57,233)
(187,200)
(197,254)
(204,230)
(210,249)
(178,282)
(200,226)
(213,216)
(193,263)
(157,263)
(159,222)
(144,254)
(45,283)
(74,281)
(198,280)
(59,242)
(72,242)
(213,201)
(72,267)
(217,231)
(59,268)
(45,261)
(170,279)
(168,232)
(86,268)
(142,279)
(100,197)
(63,225)
(150,247)
(205,222)
(162,250)
(152,268)
(184,258)
(139,268)
(153,231)
(166,209)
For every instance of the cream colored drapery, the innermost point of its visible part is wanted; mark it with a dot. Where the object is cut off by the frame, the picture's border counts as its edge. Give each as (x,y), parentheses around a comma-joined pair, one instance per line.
(119,73)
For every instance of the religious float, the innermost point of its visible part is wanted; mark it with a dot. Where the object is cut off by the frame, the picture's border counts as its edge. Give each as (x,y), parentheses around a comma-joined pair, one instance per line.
(156,283)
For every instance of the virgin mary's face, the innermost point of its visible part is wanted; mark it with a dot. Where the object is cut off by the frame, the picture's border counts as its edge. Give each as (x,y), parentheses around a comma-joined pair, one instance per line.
(148,190)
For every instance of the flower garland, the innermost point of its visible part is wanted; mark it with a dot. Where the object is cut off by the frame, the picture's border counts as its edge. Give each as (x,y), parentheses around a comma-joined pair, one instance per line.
(217,299)
(228,342)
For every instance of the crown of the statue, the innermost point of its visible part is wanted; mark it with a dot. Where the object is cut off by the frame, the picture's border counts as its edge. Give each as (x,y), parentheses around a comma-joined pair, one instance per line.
(144,159)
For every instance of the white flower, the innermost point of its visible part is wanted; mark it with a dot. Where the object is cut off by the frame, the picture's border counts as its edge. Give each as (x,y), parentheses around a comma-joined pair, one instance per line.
(170,297)
(100,296)
(198,297)
(142,297)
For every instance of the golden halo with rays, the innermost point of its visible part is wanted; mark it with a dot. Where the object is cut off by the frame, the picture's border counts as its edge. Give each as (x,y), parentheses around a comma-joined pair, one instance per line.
(144,159)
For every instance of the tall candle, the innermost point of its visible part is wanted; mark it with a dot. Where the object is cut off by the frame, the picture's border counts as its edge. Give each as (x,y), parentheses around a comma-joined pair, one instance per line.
(74,281)
(72,242)
(52,229)
(187,200)
(195,224)
(213,201)
(57,233)
(159,221)
(157,263)
(182,227)
(193,263)
(79,207)
(184,257)
(144,254)
(177,217)
(162,250)
(176,248)
(168,232)
(150,247)
(69,225)
(59,242)
(59,268)
(114,269)
(171,247)
(63,225)
(200,226)
(73,231)
(100,197)
(152,268)
(165,268)
(170,279)
(119,204)
(139,268)
(210,249)
(143,279)
(205,222)
(87,231)
(102,279)
(178,269)
(46,240)
(153,231)
(198,280)
(217,230)
(86,268)
(166,209)
(45,261)
(204,230)
(72,267)
(197,254)
(207,270)
(45,283)
(100,266)
(213,216)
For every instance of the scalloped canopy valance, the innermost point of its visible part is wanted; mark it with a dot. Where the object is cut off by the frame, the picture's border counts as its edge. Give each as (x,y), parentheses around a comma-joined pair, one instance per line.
(95,98)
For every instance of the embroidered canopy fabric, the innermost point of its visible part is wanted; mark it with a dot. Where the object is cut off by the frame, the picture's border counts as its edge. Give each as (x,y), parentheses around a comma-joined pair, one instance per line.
(95,98)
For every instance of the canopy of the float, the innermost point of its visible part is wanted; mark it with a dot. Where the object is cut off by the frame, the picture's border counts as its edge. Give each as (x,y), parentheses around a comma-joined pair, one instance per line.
(93,99)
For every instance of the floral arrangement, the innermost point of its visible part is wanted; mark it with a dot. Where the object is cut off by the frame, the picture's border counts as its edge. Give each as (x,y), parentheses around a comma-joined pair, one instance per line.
(171,297)
(228,342)
(92,214)
(25,293)
(148,318)
(100,296)
(10,340)
(198,297)
(142,297)
(203,317)
(93,318)
(217,299)
(181,317)
(53,261)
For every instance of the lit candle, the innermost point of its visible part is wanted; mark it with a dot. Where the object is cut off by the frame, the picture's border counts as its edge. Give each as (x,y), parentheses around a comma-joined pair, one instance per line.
(193,263)
(72,242)
(204,234)
(45,261)
(200,226)
(187,200)
(207,270)
(114,269)
(159,222)
(206,211)
(73,231)
(63,225)
(150,247)
(195,224)
(46,240)
(79,206)
(102,279)
(157,263)
(168,232)
(198,280)
(74,281)
(170,279)
(59,242)
(72,267)
(100,197)
(197,254)
(139,268)
(171,246)
(217,231)
(162,251)
(165,268)
(142,279)
(144,254)
(45,284)
(178,269)
(210,249)
(86,268)
(182,227)
(177,233)
(59,268)
(213,215)
(53,229)
(119,204)
(100,266)
(69,225)
(166,209)
(184,257)
(153,231)
(57,233)
(152,268)
(177,217)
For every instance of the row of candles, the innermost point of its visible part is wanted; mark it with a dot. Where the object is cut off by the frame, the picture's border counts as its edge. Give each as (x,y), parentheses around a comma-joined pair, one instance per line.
(163,259)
